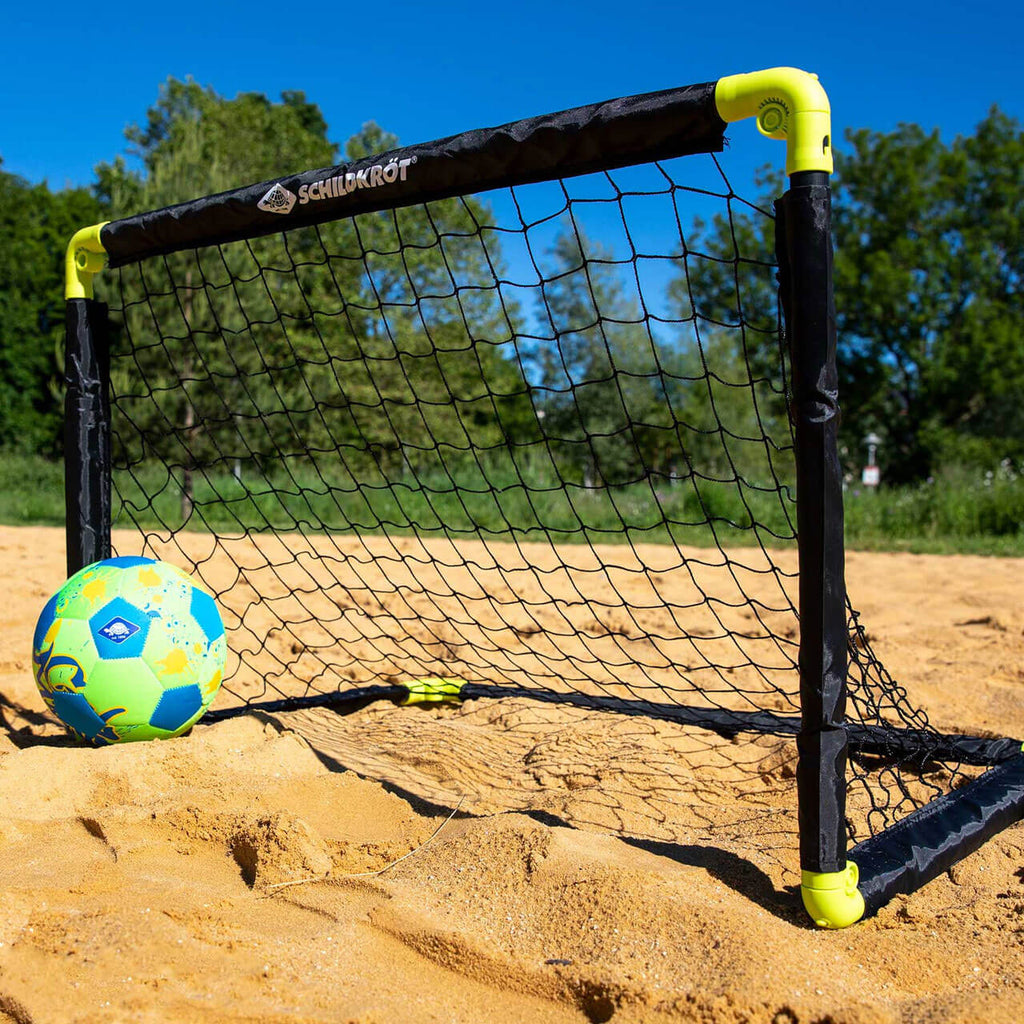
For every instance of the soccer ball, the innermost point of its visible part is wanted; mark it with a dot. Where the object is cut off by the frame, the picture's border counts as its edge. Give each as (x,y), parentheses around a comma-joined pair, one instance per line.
(129,649)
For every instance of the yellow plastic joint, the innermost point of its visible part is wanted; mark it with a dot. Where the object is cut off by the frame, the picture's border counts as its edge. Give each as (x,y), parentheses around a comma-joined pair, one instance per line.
(432,690)
(832,897)
(85,258)
(788,104)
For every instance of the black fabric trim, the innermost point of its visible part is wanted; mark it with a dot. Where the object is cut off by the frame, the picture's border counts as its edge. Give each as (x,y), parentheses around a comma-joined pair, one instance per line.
(343,700)
(894,746)
(920,748)
(601,136)
(87,451)
(924,844)
(804,248)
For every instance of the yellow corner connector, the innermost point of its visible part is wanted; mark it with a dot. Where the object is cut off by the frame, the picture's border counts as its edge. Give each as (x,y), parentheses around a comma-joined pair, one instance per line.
(85,258)
(832,898)
(788,104)
(432,690)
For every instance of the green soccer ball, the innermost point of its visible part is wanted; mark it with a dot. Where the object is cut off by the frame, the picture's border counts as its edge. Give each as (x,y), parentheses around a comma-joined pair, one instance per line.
(129,649)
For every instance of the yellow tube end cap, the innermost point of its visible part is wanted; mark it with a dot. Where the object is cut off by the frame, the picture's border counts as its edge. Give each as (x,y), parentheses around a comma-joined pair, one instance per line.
(832,898)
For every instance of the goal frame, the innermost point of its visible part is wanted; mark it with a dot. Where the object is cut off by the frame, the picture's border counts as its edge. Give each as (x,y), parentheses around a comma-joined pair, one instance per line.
(838,886)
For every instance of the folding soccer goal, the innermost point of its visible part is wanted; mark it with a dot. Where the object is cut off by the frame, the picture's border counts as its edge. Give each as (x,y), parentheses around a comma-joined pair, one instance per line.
(537,410)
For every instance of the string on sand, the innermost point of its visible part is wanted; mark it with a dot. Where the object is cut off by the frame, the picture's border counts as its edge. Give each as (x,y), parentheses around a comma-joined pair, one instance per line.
(277,886)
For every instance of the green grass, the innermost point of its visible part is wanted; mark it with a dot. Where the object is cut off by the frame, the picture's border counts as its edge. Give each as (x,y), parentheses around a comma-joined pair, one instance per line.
(963,512)
(31,491)
(959,512)
(493,501)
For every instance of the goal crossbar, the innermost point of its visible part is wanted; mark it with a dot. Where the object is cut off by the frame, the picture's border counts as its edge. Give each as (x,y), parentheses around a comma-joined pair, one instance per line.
(597,137)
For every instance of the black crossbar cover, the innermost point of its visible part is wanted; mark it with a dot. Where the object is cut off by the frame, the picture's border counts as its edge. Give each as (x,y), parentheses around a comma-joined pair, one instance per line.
(597,137)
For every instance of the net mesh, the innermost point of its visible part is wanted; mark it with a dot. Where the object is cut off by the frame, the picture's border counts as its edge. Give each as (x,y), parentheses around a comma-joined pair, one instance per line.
(535,440)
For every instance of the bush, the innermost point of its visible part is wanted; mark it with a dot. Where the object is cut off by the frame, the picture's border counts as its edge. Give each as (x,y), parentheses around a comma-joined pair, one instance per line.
(960,509)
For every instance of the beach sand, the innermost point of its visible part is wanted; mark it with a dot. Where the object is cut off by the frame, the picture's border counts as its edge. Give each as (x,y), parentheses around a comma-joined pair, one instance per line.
(496,861)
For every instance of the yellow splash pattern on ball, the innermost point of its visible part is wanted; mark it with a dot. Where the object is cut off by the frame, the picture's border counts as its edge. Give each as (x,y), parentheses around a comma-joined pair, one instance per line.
(149,577)
(94,589)
(210,688)
(175,662)
(51,633)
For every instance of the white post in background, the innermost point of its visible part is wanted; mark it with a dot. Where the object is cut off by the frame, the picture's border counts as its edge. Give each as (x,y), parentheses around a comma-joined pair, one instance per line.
(871,475)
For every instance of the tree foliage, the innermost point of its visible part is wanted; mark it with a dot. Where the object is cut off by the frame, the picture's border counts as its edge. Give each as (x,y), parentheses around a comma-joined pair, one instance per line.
(195,142)
(930,255)
(730,367)
(380,339)
(36,224)
(594,366)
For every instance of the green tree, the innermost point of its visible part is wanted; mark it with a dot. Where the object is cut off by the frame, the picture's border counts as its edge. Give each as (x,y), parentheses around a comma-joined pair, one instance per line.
(930,243)
(195,391)
(604,375)
(426,343)
(379,338)
(928,264)
(729,374)
(196,142)
(36,225)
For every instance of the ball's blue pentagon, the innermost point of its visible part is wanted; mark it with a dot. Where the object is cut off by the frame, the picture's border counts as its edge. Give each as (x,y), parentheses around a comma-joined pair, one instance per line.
(127,561)
(119,629)
(45,621)
(176,707)
(74,710)
(205,611)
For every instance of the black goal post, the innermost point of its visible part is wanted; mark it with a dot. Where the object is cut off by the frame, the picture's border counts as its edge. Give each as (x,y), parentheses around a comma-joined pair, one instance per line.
(370,350)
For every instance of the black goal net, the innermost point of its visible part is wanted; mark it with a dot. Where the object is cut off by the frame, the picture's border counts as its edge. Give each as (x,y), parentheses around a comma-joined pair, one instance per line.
(527,438)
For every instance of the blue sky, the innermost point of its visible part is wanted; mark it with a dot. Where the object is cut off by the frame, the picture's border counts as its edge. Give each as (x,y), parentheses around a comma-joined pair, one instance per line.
(72,76)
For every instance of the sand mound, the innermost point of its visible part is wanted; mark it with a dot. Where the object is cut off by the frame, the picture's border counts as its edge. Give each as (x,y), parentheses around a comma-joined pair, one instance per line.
(499,861)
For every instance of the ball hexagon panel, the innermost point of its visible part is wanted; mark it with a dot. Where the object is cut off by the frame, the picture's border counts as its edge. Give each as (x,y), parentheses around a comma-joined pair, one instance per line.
(126,684)
(87,590)
(177,706)
(174,652)
(77,713)
(149,582)
(119,629)
(205,611)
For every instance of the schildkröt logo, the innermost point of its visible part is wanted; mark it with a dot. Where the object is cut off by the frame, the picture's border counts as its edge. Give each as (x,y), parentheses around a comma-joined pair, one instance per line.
(277,200)
(367,177)
(118,630)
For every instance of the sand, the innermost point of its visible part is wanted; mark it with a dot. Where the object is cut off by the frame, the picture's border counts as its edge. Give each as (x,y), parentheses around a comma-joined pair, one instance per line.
(496,861)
